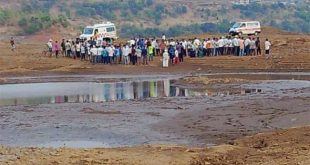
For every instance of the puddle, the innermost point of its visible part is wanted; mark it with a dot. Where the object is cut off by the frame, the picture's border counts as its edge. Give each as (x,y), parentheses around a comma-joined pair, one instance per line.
(92,92)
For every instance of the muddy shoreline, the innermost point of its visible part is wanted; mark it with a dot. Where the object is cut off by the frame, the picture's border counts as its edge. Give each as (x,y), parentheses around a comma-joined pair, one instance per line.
(192,121)
(68,77)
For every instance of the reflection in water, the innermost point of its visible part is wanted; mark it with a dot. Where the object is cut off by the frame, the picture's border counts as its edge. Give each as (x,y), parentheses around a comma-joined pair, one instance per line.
(55,93)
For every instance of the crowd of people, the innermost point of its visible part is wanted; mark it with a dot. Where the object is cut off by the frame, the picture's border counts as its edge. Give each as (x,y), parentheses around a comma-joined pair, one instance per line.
(141,51)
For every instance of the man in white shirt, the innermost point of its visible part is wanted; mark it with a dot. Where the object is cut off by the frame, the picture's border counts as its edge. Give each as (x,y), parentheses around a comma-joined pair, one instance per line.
(93,52)
(111,54)
(213,47)
(50,47)
(165,58)
(230,46)
(247,46)
(98,57)
(221,46)
(125,51)
(267,48)
(236,45)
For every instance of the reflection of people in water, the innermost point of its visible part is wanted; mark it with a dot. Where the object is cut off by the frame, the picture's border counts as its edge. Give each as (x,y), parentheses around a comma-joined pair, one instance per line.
(167,88)
(146,90)
(152,89)
(119,91)
(139,90)
(128,90)
(106,92)
(113,92)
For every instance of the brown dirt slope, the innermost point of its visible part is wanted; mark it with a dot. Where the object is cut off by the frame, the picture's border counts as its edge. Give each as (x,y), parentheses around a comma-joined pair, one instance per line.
(284,147)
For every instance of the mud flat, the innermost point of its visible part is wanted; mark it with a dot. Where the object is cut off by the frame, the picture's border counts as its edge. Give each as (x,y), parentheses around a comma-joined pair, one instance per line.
(161,118)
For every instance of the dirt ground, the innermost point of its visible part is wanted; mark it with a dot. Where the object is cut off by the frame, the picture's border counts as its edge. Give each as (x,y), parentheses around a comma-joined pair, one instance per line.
(284,147)
(270,118)
(290,53)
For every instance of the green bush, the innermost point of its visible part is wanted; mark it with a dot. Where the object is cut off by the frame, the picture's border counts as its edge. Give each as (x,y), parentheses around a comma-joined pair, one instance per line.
(4,16)
(22,22)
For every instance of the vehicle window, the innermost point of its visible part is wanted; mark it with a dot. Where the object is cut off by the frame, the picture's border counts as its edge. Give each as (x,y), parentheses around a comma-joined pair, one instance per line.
(110,29)
(96,31)
(236,25)
(242,25)
(88,31)
(250,25)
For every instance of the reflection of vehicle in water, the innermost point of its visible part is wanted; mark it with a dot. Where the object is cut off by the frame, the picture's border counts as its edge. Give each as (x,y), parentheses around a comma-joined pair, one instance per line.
(103,30)
(252,27)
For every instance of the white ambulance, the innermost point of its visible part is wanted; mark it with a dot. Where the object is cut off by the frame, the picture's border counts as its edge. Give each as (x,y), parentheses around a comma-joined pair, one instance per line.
(248,28)
(103,30)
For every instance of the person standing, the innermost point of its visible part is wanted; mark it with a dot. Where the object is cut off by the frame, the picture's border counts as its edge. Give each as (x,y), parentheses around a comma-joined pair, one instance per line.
(99,54)
(267,48)
(176,57)
(63,48)
(182,54)
(125,51)
(50,47)
(213,51)
(150,52)
(68,49)
(221,46)
(56,48)
(216,46)
(236,46)
(134,55)
(78,49)
(73,49)
(111,53)
(258,49)
(241,44)
(162,47)
(253,46)
(144,55)
(105,55)
(12,42)
(139,55)
(247,46)
(226,43)
(165,59)
(83,51)
(171,52)
(93,52)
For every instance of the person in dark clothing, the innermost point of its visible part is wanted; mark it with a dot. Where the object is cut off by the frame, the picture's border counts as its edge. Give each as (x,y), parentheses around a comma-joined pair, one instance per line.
(182,54)
(144,55)
(171,52)
(63,48)
(258,49)
(12,42)
(133,55)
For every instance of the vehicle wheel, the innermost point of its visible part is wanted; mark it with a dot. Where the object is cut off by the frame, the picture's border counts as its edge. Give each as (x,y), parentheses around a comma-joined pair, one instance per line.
(240,34)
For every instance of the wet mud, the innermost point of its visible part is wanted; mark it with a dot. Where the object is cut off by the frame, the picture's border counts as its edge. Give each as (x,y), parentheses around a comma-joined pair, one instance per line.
(131,112)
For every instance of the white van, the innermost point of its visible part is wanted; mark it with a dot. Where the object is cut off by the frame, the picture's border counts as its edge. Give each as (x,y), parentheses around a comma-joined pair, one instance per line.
(249,28)
(103,30)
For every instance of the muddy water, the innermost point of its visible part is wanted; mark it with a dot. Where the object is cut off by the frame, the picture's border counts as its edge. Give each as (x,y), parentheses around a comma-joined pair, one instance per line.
(115,114)
(91,92)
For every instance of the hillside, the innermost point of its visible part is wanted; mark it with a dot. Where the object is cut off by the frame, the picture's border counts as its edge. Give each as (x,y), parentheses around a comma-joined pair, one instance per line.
(153,17)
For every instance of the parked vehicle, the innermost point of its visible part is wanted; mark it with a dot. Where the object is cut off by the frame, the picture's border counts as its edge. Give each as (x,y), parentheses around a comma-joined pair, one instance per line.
(103,30)
(248,28)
